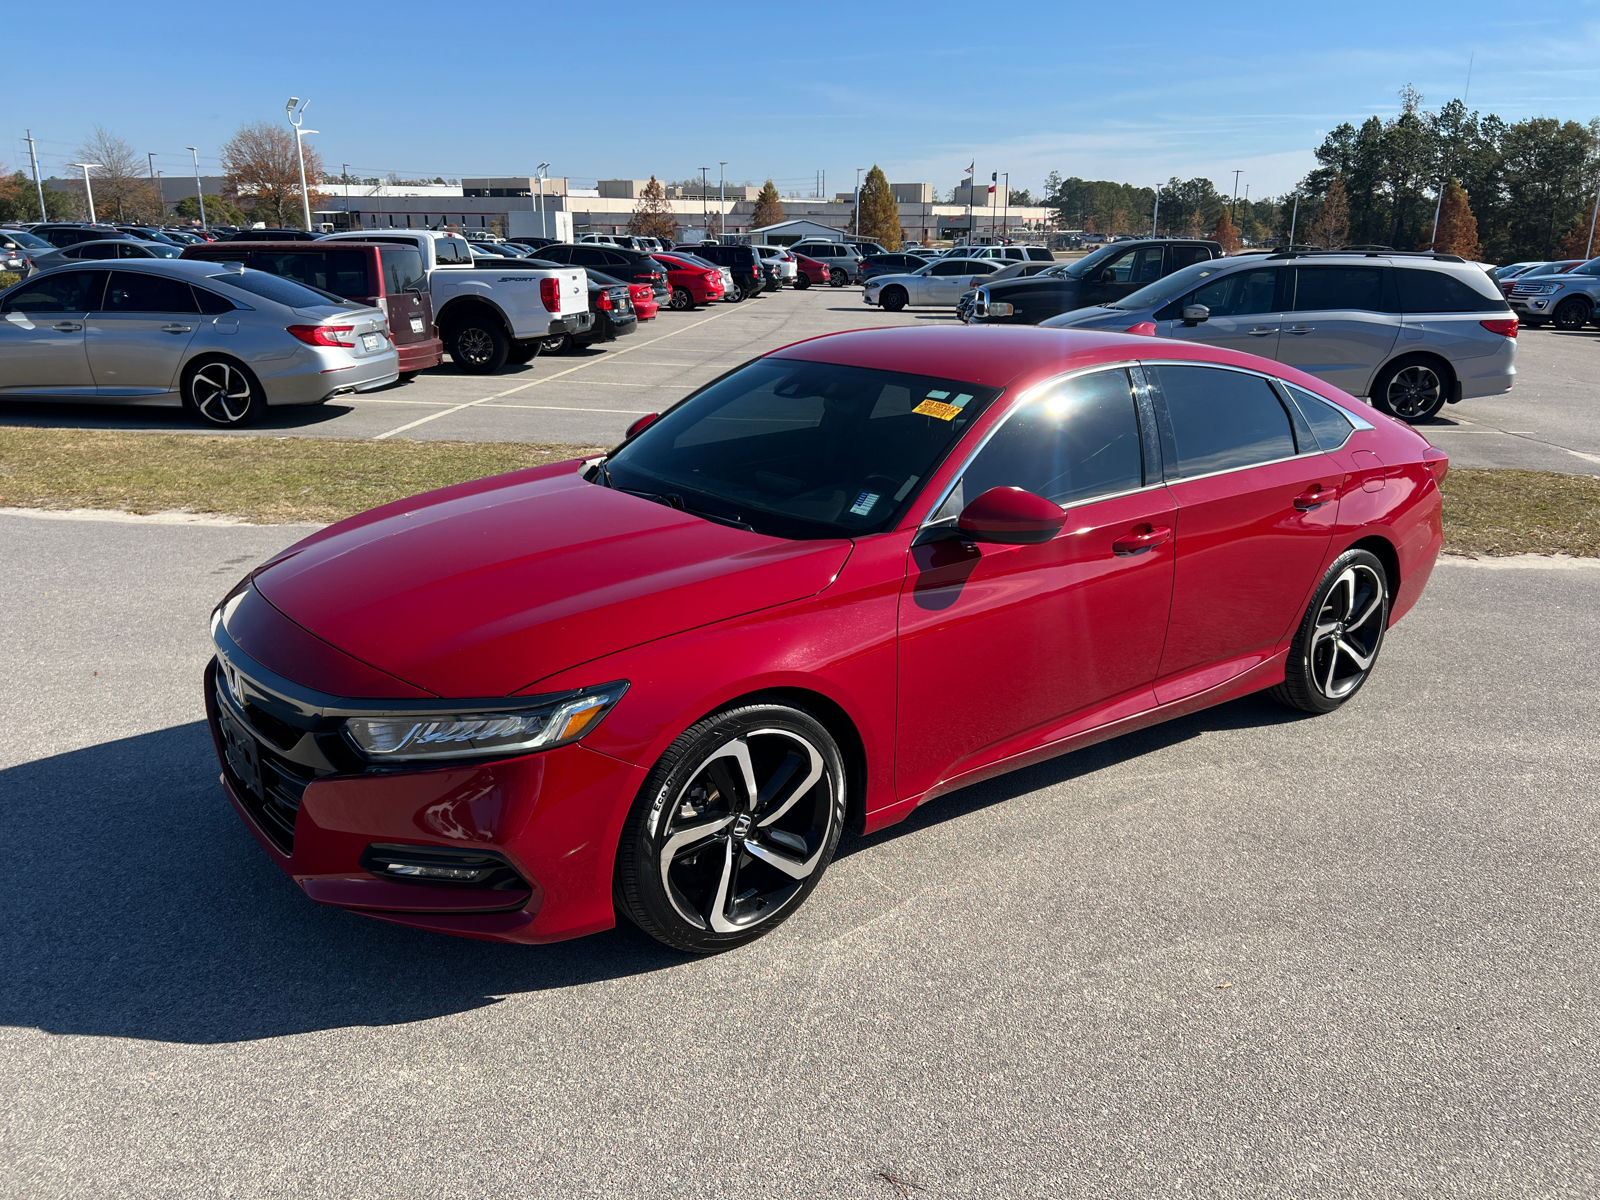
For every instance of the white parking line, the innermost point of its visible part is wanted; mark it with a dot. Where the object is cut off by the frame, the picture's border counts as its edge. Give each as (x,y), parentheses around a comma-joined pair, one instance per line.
(610,357)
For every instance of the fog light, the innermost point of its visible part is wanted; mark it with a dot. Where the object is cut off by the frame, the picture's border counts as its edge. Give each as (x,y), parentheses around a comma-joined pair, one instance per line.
(462,874)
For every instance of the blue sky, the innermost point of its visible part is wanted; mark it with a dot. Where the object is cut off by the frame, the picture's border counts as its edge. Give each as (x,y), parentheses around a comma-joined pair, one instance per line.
(627,90)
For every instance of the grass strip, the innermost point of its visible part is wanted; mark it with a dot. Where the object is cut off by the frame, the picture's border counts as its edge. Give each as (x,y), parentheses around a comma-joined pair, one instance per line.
(1495,512)
(267,480)
(281,479)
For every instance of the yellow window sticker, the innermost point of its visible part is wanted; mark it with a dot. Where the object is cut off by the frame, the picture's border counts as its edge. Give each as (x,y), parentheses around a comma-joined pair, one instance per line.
(934,408)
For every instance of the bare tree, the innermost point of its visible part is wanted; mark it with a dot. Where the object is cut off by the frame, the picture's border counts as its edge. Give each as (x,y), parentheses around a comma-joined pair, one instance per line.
(261,173)
(122,188)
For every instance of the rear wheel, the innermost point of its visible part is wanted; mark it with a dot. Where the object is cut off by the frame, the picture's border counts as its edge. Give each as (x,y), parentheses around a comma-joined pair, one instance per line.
(732,829)
(682,301)
(525,350)
(1338,641)
(1572,314)
(479,346)
(802,281)
(893,298)
(219,391)
(1412,389)
(838,277)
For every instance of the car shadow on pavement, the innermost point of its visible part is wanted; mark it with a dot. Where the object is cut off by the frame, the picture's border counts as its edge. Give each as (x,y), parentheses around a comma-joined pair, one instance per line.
(138,906)
(127,418)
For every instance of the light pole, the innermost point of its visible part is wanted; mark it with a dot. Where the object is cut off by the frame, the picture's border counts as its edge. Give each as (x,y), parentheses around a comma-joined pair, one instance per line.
(87,189)
(160,200)
(37,182)
(705,202)
(1005,223)
(199,192)
(538,174)
(295,119)
(1234,215)
(855,220)
(722,201)
(1155,217)
(1594,216)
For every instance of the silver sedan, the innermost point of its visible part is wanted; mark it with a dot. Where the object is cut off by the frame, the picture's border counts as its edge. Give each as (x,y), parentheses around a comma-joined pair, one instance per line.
(939,283)
(89,251)
(223,341)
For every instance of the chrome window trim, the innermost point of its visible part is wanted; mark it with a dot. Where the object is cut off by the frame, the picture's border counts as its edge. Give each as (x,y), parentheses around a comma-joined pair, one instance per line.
(1025,398)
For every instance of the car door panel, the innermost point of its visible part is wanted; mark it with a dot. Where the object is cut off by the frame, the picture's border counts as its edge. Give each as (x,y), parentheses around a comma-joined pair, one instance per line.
(1243,308)
(138,339)
(42,335)
(1343,324)
(1002,646)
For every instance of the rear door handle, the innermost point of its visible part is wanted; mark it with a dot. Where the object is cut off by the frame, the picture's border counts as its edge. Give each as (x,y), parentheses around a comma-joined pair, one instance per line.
(1263,330)
(1314,497)
(1140,539)
(177,329)
(1301,328)
(67,327)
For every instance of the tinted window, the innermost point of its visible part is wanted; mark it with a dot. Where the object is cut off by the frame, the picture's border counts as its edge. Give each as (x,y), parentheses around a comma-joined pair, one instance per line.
(402,270)
(451,250)
(587,256)
(1120,268)
(342,272)
(1220,420)
(210,303)
(132,291)
(1239,294)
(1040,255)
(1179,257)
(1330,425)
(803,449)
(283,291)
(70,291)
(957,266)
(1077,441)
(1425,291)
(1357,288)
(615,258)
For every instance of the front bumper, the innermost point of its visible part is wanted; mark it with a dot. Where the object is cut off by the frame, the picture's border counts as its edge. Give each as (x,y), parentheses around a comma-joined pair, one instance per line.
(553,818)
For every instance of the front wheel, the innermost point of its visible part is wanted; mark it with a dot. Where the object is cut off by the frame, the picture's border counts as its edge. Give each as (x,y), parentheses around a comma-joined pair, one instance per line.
(1337,644)
(732,829)
(220,392)
(1572,314)
(893,298)
(1411,389)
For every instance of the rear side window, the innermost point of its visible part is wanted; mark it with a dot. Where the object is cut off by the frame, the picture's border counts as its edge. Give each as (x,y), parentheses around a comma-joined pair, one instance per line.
(1219,421)
(1331,426)
(281,291)
(212,304)
(1077,441)
(70,291)
(1426,291)
(452,250)
(1040,255)
(402,270)
(342,272)
(1179,257)
(1359,289)
(136,292)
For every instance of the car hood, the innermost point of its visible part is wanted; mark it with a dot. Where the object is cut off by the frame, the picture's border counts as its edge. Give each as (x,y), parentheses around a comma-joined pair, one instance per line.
(479,592)
(1095,318)
(1057,284)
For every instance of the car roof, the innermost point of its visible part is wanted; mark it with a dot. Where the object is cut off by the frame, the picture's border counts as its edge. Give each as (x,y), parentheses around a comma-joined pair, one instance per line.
(188,268)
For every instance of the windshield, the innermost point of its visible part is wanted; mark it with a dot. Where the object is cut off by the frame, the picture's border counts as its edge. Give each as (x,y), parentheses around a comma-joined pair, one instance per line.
(1156,294)
(798,449)
(163,249)
(1549,268)
(28,241)
(282,291)
(1592,267)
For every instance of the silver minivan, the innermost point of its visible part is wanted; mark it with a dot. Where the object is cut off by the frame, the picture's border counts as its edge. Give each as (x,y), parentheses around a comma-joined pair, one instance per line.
(1411,332)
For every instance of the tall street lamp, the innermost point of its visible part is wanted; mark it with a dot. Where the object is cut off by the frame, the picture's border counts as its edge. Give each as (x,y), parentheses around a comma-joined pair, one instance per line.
(199,192)
(88,190)
(295,119)
(538,174)
(705,200)
(722,202)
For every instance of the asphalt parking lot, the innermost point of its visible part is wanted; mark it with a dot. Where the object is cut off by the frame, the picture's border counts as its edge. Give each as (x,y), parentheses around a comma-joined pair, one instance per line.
(1245,953)
(1547,422)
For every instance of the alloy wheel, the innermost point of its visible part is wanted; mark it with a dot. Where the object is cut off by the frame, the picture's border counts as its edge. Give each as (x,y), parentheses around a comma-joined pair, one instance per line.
(221,393)
(1349,628)
(1414,391)
(475,345)
(740,839)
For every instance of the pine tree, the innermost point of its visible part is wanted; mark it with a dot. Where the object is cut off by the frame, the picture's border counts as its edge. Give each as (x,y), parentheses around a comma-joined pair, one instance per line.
(769,207)
(880,215)
(1458,228)
(653,215)
(1225,234)
(1331,228)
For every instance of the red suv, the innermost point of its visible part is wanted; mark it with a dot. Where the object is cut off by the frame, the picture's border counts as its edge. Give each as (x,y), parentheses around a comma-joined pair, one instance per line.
(384,276)
(692,283)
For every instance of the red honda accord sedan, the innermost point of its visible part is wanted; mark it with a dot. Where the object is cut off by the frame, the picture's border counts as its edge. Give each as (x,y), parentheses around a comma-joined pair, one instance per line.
(833,584)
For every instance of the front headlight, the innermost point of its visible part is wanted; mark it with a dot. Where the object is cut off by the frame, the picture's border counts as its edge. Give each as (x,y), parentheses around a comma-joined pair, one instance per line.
(406,737)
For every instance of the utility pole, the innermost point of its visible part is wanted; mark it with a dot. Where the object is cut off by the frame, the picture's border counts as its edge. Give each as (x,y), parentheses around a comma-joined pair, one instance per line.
(1589,250)
(855,220)
(1155,217)
(705,206)
(1005,225)
(88,189)
(1294,217)
(1234,215)
(160,199)
(199,192)
(538,174)
(295,119)
(34,158)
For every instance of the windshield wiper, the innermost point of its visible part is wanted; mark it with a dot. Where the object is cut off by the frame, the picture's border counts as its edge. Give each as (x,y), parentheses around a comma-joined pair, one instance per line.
(673,500)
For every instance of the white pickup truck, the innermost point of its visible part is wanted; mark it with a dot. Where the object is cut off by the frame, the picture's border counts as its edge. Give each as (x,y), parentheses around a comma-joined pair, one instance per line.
(488,317)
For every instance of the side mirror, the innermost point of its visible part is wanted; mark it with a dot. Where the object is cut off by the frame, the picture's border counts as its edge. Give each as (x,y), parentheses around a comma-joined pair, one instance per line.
(1193,314)
(1012,517)
(641,424)
(1109,275)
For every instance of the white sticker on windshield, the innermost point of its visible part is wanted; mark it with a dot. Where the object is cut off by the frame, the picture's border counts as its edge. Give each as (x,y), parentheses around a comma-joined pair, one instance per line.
(864,503)
(961,400)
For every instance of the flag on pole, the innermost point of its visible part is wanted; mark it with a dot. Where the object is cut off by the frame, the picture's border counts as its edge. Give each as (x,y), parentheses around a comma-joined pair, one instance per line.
(972,166)
(993,179)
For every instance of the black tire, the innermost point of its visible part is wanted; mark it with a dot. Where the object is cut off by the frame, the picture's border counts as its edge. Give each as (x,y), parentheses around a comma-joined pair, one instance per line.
(837,277)
(1572,314)
(802,281)
(893,298)
(1413,388)
(525,350)
(408,376)
(735,867)
(1338,641)
(681,300)
(479,345)
(222,392)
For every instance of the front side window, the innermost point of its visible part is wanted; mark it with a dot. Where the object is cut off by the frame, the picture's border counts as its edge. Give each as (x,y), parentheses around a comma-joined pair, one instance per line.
(1078,440)
(1357,289)
(1219,420)
(136,292)
(1244,293)
(801,449)
(1146,266)
(70,291)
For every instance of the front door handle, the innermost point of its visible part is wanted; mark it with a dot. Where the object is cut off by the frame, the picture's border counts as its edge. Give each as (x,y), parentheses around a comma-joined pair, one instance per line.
(177,329)
(67,327)
(1314,497)
(1263,330)
(1140,539)
(1301,328)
